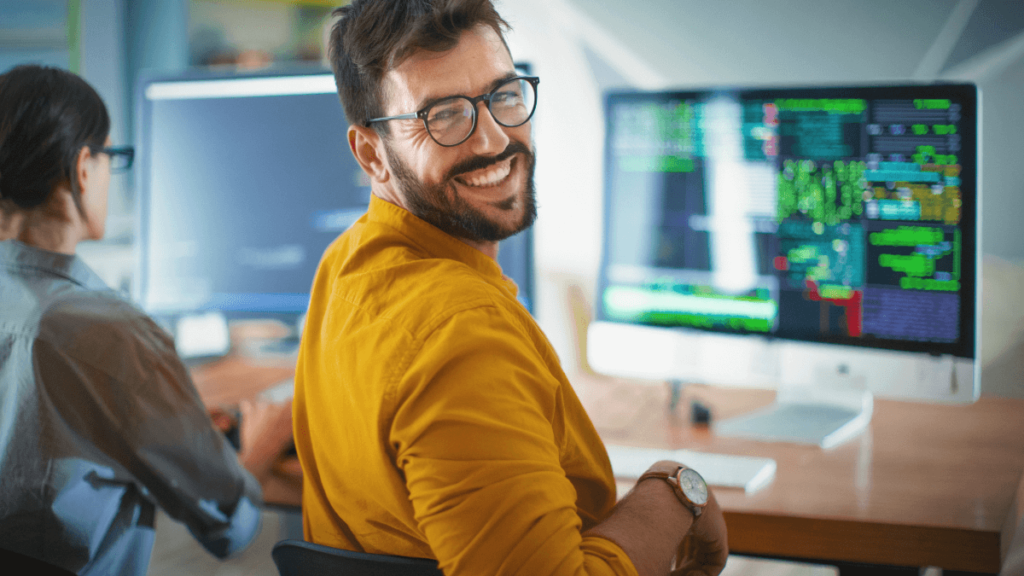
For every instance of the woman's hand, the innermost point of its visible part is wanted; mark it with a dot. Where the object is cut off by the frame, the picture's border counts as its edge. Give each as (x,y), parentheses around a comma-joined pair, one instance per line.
(266,432)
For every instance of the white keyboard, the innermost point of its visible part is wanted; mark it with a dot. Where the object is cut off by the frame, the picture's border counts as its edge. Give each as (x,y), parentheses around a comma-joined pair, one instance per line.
(750,473)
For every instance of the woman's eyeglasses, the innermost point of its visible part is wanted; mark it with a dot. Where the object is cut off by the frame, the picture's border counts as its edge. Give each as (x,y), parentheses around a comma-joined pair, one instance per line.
(121,157)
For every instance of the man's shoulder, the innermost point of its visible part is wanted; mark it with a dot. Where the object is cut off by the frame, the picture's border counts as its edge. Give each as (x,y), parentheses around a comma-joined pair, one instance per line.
(398,281)
(422,291)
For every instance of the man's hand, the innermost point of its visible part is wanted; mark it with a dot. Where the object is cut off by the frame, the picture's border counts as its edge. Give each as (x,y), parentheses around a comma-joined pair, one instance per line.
(266,431)
(705,549)
(658,533)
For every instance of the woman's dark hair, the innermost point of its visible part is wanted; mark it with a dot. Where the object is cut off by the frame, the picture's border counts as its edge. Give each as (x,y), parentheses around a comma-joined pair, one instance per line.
(374,36)
(46,116)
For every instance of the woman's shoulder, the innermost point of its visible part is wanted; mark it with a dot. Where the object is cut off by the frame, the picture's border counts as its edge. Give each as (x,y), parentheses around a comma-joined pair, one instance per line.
(101,322)
(95,308)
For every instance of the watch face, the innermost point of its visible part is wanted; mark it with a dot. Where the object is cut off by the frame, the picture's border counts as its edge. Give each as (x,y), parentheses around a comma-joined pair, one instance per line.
(693,486)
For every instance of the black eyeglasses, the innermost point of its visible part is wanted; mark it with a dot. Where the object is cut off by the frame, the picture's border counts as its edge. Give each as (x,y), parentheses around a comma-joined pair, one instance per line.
(121,157)
(452,120)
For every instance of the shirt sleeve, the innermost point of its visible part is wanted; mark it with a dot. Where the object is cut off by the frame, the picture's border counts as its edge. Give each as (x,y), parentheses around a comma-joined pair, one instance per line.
(476,434)
(115,381)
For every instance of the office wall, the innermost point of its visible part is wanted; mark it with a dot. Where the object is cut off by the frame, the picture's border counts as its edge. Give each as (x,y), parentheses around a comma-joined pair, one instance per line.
(260,26)
(34,31)
(582,47)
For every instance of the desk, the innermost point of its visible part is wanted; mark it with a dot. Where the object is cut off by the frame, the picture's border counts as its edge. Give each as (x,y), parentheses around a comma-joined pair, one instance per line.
(926,485)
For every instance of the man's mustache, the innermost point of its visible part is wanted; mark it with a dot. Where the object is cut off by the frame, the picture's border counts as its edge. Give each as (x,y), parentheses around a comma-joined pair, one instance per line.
(478,162)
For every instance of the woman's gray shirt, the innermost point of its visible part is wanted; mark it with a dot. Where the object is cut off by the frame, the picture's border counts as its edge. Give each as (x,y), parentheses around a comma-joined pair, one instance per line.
(100,423)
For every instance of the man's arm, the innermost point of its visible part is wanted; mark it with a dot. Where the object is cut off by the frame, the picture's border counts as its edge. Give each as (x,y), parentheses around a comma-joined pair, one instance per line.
(477,433)
(650,525)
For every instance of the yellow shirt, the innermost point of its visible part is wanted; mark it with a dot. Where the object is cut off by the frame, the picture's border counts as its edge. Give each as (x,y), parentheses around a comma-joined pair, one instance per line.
(432,418)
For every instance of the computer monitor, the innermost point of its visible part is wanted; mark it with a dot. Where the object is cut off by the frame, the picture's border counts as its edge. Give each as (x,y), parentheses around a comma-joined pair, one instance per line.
(243,182)
(781,237)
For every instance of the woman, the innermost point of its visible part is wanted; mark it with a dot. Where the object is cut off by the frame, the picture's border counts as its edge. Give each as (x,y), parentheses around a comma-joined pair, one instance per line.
(99,420)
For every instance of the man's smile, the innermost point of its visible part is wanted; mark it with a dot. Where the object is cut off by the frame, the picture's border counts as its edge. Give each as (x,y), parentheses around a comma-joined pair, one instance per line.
(481,198)
(492,175)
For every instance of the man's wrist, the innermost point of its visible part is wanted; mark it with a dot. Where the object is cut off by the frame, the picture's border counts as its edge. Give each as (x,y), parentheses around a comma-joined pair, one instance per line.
(660,494)
(647,524)
(687,485)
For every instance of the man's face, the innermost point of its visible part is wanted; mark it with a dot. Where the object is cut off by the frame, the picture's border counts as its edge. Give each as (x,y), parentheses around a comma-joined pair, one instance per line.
(482,189)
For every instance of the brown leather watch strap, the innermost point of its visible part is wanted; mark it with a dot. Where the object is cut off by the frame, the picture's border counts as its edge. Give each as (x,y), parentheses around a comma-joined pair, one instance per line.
(663,469)
(668,472)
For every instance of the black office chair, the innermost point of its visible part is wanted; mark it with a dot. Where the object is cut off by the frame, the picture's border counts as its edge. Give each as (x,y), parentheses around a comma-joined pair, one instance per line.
(299,558)
(15,563)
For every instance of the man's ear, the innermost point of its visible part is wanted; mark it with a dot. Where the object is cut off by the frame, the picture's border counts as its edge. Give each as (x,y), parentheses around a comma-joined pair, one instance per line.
(368,149)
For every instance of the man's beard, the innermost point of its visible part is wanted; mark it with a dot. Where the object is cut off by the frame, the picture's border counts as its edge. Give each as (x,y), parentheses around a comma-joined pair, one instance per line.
(441,205)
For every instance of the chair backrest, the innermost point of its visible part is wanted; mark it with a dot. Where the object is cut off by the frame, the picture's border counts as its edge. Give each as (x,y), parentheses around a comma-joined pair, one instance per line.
(299,558)
(16,563)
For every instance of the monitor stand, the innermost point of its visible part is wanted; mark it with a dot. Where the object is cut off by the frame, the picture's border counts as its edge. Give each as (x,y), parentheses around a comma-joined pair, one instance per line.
(825,415)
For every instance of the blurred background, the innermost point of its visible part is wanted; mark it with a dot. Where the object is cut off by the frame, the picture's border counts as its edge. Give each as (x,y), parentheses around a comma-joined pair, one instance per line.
(581,48)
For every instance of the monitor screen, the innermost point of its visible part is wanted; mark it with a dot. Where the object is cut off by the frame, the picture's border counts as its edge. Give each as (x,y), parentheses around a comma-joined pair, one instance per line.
(842,215)
(834,215)
(244,181)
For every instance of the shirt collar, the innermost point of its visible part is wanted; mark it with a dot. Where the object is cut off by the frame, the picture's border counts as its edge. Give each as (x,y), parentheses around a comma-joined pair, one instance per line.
(437,243)
(15,255)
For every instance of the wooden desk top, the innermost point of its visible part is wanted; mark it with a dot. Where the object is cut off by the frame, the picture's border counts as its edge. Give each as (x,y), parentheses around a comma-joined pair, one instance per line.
(226,382)
(926,485)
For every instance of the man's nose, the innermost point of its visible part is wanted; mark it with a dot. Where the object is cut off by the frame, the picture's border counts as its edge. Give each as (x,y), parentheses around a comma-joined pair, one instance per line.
(490,138)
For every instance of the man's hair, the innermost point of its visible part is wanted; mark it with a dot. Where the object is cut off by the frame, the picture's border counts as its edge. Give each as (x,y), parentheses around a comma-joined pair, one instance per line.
(372,37)
(47,115)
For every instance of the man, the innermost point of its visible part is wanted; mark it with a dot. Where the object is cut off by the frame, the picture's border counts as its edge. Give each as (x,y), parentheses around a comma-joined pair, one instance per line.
(432,418)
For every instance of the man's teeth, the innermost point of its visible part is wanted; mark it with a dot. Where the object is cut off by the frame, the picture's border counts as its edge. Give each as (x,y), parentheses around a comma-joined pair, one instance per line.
(488,177)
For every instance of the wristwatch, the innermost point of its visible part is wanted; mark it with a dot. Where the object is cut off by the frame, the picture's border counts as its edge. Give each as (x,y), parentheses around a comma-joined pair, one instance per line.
(689,486)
